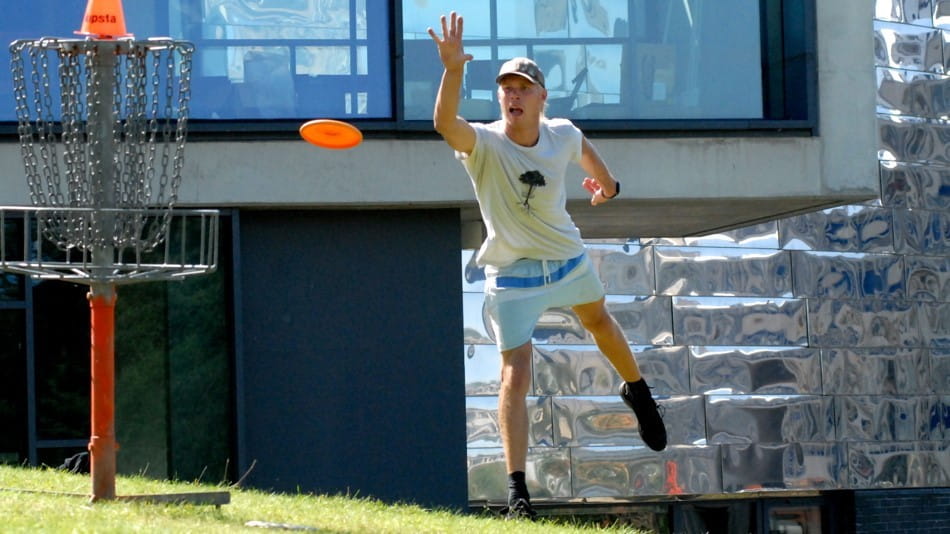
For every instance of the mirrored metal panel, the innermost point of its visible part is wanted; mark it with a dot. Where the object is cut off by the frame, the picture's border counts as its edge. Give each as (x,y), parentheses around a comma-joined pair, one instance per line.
(755,370)
(589,421)
(560,325)
(848,275)
(941,13)
(790,466)
(487,477)
(909,185)
(594,421)
(482,370)
(909,11)
(908,46)
(914,93)
(618,241)
(481,421)
(912,140)
(644,320)
(738,321)
(768,418)
(878,371)
(722,271)
(946,39)
(763,235)
(876,418)
(935,324)
(940,366)
(473,276)
(476,329)
(666,369)
(550,471)
(547,473)
(928,277)
(852,228)
(629,471)
(583,370)
(934,460)
(933,418)
(863,323)
(883,465)
(625,269)
(573,370)
(922,232)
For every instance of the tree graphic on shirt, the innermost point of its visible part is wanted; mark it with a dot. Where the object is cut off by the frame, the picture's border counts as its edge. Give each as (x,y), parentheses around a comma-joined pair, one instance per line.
(532,179)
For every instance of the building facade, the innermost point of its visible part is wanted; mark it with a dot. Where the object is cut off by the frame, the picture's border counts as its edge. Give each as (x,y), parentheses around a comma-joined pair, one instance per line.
(792,319)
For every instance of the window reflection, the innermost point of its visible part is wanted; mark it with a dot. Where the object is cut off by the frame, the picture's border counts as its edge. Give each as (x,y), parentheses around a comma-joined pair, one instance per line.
(603,59)
(280,19)
(257,59)
(606,59)
(291,59)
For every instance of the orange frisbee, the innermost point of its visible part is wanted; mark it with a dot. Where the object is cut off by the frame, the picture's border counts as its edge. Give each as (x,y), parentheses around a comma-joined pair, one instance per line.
(329,133)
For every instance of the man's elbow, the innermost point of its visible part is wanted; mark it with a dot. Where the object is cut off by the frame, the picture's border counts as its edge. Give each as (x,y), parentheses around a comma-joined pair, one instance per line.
(444,127)
(441,124)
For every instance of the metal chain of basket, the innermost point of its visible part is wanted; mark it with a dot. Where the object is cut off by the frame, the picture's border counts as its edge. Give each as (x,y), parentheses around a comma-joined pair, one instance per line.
(121,123)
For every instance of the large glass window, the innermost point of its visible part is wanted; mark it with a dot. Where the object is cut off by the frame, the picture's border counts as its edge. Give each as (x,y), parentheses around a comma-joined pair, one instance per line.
(625,63)
(603,59)
(290,58)
(254,59)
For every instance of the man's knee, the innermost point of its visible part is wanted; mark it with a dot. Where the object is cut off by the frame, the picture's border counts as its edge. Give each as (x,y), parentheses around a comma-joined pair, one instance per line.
(516,369)
(596,320)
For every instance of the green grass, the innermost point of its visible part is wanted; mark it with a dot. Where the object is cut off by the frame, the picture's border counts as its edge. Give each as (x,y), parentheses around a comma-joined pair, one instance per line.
(44,500)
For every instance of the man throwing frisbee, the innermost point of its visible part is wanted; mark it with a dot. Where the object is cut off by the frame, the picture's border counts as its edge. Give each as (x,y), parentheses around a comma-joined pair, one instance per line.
(533,256)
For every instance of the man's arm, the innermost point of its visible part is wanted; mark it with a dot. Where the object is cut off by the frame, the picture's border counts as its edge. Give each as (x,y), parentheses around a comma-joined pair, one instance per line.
(456,131)
(599,181)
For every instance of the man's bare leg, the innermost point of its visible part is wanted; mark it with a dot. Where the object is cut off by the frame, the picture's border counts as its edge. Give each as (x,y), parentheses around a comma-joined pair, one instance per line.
(609,338)
(513,420)
(512,410)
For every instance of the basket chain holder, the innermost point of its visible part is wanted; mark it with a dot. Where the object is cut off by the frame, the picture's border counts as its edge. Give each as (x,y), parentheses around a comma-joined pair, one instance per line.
(104,166)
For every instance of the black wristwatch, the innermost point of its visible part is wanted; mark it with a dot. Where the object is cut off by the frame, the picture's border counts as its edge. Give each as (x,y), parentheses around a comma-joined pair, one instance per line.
(615,194)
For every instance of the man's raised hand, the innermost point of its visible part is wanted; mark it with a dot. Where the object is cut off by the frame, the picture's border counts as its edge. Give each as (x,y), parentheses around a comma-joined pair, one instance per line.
(451,52)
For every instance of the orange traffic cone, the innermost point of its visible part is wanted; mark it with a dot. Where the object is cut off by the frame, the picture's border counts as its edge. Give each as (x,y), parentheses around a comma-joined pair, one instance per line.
(104,19)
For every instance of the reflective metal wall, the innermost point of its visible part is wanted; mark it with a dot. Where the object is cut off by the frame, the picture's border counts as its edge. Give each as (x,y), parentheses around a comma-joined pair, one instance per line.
(807,353)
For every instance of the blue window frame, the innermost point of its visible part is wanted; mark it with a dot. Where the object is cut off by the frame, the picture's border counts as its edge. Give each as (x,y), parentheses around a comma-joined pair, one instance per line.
(263,66)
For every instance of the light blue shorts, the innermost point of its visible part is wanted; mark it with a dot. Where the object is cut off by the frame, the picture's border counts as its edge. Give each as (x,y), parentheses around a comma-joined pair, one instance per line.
(516,295)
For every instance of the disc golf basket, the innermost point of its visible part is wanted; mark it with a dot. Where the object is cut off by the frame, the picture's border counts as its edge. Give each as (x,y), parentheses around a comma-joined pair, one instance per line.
(102,126)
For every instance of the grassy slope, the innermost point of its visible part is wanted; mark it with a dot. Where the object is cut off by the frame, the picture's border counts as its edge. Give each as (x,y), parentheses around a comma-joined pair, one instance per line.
(47,506)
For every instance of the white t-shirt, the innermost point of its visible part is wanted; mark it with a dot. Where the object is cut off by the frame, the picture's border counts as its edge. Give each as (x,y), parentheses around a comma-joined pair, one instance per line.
(524,221)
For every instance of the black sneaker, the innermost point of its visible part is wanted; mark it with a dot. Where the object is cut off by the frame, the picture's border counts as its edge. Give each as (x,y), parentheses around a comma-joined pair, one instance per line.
(521,509)
(637,396)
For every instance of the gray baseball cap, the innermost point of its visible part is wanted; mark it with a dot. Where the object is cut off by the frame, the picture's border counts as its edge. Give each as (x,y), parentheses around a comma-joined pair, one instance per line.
(523,67)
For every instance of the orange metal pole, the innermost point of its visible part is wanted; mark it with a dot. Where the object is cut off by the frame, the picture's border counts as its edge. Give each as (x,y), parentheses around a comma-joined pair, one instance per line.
(102,446)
